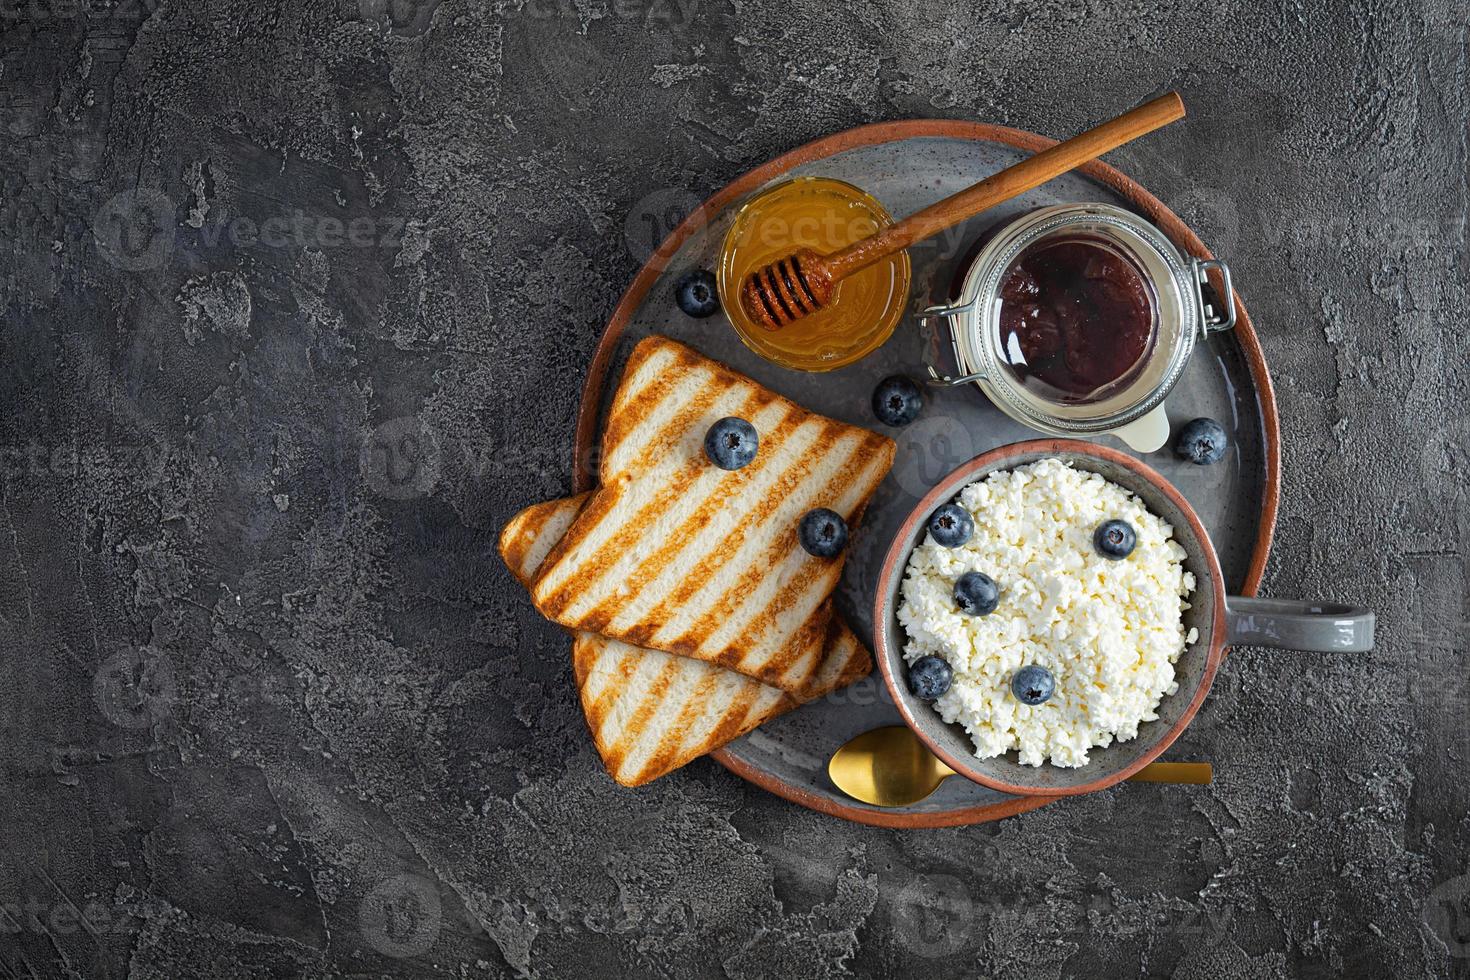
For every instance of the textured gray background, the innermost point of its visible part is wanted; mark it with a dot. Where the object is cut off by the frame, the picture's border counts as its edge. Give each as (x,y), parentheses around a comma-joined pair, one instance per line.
(272,707)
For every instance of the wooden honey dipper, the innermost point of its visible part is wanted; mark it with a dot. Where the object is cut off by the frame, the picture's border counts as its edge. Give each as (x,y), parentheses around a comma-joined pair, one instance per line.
(804,282)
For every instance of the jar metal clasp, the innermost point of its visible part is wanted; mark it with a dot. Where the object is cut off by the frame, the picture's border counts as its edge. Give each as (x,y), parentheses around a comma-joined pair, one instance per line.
(1211,319)
(931,322)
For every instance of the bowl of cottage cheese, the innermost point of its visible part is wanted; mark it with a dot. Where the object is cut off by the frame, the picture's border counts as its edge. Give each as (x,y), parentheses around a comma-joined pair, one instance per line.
(1070,658)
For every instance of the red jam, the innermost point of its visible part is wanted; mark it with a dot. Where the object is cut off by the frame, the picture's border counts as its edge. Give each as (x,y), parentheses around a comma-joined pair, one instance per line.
(1075,316)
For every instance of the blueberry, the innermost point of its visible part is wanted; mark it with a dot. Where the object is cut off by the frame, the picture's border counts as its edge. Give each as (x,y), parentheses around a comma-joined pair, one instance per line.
(731,443)
(823,533)
(696,294)
(1114,540)
(951,525)
(929,677)
(1202,442)
(897,400)
(1033,685)
(976,594)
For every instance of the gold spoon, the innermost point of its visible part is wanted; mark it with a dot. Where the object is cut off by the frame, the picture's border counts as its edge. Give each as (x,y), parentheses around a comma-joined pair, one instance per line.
(891,767)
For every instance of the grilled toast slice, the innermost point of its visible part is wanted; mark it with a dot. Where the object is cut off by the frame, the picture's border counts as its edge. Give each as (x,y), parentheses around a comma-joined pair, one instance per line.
(651,712)
(675,554)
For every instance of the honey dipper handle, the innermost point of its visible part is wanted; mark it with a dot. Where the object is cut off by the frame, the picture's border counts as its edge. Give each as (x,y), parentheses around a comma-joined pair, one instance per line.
(1010,182)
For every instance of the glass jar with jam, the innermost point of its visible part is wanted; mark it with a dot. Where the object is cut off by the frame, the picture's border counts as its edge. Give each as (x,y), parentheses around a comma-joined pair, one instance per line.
(825,215)
(1078,320)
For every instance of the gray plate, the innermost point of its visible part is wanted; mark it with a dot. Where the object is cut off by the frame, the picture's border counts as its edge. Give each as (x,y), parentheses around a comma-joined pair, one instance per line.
(1235,499)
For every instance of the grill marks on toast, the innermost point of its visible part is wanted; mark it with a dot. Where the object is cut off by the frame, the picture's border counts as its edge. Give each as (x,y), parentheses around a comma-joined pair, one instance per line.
(702,495)
(608,534)
(641,432)
(664,672)
(801,584)
(846,660)
(664,589)
(636,734)
(741,546)
(705,716)
(602,669)
(676,554)
(529,536)
(650,374)
(654,725)
(758,597)
(657,379)
(701,708)
(693,390)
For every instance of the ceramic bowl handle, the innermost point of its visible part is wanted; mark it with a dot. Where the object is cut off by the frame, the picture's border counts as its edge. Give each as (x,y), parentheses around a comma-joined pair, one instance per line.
(1291,624)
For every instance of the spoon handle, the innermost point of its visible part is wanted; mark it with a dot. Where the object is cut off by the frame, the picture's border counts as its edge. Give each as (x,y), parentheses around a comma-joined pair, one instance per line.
(1193,773)
(1188,773)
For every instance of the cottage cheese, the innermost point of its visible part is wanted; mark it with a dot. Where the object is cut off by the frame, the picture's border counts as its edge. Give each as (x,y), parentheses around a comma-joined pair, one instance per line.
(1110,632)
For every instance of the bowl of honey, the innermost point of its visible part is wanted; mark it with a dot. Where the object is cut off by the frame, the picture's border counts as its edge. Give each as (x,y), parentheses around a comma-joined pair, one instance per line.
(823,214)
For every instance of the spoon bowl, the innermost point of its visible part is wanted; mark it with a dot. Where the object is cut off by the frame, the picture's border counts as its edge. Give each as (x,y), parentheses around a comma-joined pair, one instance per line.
(887,766)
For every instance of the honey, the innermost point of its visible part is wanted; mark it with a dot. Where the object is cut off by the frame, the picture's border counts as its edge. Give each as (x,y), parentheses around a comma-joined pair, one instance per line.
(825,215)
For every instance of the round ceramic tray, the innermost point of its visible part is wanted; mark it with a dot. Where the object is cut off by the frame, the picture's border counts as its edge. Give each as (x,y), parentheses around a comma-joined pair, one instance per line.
(908,165)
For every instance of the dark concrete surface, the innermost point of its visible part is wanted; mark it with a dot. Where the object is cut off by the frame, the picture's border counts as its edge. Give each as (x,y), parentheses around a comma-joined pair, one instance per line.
(297,300)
